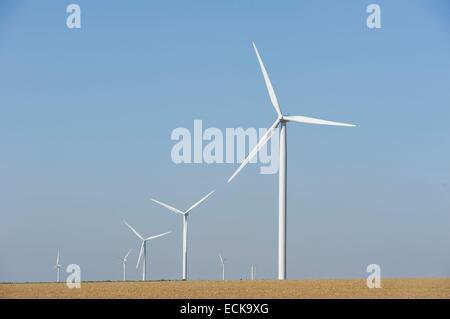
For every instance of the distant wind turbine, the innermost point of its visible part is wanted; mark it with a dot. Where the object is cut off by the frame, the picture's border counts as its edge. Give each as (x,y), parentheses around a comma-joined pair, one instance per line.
(281,121)
(124,264)
(253,272)
(222,262)
(143,250)
(57,266)
(185,215)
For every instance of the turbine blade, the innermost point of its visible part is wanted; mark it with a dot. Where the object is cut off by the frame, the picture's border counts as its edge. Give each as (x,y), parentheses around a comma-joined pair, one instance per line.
(199,202)
(273,97)
(221,259)
(140,253)
(134,230)
(128,253)
(255,150)
(311,120)
(57,258)
(156,236)
(173,209)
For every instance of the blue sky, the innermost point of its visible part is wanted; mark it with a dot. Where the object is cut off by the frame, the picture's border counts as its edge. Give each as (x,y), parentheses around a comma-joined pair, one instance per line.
(86,117)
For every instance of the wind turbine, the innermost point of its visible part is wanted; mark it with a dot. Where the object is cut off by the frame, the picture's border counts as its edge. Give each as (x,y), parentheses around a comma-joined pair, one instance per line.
(57,266)
(124,264)
(222,262)
(253,272)
(143,250)
(185,215)
(281,122)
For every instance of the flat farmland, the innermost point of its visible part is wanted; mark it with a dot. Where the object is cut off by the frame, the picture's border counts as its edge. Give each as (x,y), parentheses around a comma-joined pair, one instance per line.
(353,288)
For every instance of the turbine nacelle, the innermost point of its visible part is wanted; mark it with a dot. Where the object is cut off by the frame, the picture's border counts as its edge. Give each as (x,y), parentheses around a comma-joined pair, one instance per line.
(125,258)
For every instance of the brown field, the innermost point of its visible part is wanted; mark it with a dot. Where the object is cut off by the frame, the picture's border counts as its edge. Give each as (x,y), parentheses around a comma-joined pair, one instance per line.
(354,288)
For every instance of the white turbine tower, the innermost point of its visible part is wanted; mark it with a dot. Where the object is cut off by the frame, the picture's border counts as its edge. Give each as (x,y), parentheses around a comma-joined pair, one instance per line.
(281,121)
(222,262)
(185,215)
(57,267)
(253,272)
(124,264)
(143,250)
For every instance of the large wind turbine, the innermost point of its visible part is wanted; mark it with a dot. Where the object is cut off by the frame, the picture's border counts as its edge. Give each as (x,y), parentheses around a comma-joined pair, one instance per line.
(124,264)
(185,215)
(57,267)
(281,122)
(222,262)
(143,250)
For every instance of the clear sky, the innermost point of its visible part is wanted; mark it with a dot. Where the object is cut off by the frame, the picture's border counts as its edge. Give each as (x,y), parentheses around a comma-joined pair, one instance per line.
(86,117)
